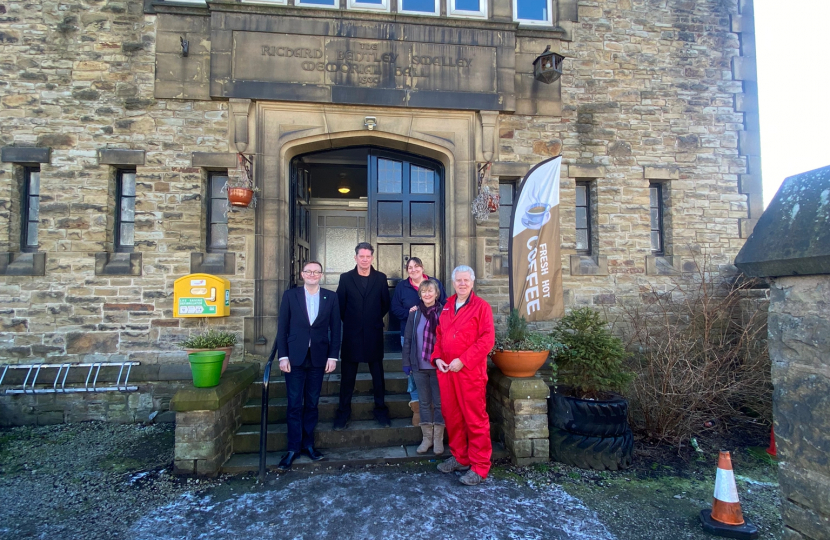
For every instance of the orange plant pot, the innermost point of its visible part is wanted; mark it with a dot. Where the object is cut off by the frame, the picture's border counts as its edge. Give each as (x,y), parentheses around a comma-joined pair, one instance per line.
(240,196)
(519,363)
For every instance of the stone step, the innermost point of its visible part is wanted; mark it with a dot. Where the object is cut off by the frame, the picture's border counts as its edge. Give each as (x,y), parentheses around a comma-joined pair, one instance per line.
(395,384)
(336,458)
(358,434)
(391,364)
(362,407)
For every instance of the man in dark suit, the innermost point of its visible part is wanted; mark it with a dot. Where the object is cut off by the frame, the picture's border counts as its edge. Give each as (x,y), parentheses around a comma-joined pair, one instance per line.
(364,300)
(308,340)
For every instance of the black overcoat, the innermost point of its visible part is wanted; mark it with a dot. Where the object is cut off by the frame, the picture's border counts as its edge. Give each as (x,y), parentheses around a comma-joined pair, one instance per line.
(362,314)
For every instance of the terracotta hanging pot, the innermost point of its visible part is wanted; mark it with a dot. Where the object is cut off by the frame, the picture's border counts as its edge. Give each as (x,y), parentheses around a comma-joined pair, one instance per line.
(519,363)
(240,196)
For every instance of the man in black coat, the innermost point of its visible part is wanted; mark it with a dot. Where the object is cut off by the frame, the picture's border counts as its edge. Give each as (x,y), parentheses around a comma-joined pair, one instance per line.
(364,300)
(308,341)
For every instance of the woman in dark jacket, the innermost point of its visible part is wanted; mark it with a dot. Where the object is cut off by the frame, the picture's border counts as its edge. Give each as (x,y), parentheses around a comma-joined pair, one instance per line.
(418,344)
(404,300)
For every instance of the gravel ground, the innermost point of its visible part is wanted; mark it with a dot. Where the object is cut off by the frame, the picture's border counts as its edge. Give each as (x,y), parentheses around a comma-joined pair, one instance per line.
(98,480)
(87,480)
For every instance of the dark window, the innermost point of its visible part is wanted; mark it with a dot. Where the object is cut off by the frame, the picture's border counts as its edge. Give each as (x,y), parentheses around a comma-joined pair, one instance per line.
(217,214)
(656,217)
(30,208)
(507,192)
(125,211)
(583,217)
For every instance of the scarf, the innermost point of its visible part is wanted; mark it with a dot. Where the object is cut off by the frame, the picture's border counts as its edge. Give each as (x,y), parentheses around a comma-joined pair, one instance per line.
(430,315)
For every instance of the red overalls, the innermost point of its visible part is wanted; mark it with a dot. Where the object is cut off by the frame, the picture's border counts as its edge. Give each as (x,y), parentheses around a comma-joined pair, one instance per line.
(468,335)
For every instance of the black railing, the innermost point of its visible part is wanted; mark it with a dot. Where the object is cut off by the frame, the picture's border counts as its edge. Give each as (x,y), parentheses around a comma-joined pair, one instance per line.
(263,422)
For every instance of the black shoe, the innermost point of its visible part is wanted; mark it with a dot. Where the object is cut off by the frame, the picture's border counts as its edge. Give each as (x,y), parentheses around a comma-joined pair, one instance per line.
(382,418)
(312,453)
(340,421)
(287,460)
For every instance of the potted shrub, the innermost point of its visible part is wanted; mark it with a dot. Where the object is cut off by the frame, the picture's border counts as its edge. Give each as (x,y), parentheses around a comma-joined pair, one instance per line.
(211,340)
(521,352)
(588,419)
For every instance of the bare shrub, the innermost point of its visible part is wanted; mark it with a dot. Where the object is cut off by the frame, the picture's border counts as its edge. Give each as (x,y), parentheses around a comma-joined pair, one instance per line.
(700,355)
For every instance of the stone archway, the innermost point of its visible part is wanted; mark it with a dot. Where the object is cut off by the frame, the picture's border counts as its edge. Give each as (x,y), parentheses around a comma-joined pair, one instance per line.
(283,131)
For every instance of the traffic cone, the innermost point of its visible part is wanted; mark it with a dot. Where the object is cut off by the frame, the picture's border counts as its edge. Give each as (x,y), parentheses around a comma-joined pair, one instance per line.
(726,518)
(771,450)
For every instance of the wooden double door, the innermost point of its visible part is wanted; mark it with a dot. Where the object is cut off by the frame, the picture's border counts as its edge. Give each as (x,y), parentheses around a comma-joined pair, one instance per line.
(401,216)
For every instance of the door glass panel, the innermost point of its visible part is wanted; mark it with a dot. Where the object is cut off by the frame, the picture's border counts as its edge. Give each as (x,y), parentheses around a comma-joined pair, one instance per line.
(390,176)
(339,249)
(341,221)
(421,180)
(390,260)
(390,219)
(422,219)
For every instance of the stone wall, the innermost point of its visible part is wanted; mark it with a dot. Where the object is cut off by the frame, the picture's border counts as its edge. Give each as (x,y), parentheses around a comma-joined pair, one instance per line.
(78,78)
(799,345)
(518,410)
(651,91)
(206,420)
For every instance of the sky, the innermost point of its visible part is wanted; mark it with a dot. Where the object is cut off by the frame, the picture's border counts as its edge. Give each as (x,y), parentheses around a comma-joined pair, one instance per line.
(793,48)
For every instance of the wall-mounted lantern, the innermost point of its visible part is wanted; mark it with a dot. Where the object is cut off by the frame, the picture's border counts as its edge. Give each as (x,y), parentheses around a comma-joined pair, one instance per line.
(548,66)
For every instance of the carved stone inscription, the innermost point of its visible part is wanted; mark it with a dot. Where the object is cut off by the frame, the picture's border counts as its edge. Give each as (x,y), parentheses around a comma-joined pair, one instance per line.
(321,60)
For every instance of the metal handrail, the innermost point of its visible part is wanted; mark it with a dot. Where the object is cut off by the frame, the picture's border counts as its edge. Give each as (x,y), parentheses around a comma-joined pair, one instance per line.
(263,422)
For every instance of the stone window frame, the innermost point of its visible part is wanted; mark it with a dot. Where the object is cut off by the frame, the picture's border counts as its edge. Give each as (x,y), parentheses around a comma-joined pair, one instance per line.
(590,214)
(532,22)
(589,263)
(212,261)
(210,212)
(660,208)
(118,261)
(665,263)
(19,261)
(514,184)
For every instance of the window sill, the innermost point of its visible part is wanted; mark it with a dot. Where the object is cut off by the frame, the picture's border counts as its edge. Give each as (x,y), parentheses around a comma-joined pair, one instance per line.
(589,265)
(222,263)
(660,265)
(117,264)
(23,264)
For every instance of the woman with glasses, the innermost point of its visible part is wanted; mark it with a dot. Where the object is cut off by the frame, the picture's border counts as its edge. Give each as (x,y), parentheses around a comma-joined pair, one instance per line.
(418,343)
(405,300)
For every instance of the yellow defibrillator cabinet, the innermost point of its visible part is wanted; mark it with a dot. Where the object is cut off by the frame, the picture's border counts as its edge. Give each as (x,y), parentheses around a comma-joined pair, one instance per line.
(201,295)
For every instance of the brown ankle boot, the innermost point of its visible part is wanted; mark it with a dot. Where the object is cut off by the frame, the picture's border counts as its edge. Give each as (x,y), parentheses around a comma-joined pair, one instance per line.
(416,413)
(426,444)
(438,439)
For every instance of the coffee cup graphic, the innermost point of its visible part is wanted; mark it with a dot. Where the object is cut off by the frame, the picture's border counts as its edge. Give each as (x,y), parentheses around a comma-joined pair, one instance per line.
(536,215)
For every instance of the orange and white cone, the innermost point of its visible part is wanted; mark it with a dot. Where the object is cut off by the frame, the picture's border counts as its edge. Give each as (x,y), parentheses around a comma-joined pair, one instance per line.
(726,517)
(726,508)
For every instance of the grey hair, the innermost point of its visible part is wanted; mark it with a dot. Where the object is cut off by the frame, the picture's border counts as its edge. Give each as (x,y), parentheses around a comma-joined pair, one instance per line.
(463,268)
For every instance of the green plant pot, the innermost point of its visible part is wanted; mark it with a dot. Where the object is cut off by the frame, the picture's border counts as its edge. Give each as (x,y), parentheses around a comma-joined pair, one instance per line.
(206,367)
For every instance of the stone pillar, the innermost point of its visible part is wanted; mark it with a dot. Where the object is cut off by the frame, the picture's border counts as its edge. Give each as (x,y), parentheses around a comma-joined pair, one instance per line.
(206,420)
(518,410)
(799,347)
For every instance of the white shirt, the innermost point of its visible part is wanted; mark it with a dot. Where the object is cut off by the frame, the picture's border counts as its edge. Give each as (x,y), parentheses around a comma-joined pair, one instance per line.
(312,306)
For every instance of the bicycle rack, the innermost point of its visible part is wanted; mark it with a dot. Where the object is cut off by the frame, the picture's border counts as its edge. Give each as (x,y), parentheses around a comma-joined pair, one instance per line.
(28,385)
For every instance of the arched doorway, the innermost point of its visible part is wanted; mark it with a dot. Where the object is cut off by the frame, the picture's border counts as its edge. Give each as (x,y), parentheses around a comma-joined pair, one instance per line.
(392,199)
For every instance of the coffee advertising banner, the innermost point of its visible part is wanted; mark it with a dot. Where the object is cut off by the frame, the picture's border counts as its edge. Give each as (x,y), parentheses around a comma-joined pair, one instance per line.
(536,267)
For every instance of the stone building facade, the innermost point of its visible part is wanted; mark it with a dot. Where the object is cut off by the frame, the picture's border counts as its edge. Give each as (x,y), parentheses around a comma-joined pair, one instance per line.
(656,97)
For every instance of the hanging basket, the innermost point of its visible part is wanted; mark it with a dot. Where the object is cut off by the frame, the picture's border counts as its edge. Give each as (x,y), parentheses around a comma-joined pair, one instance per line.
(240,196)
